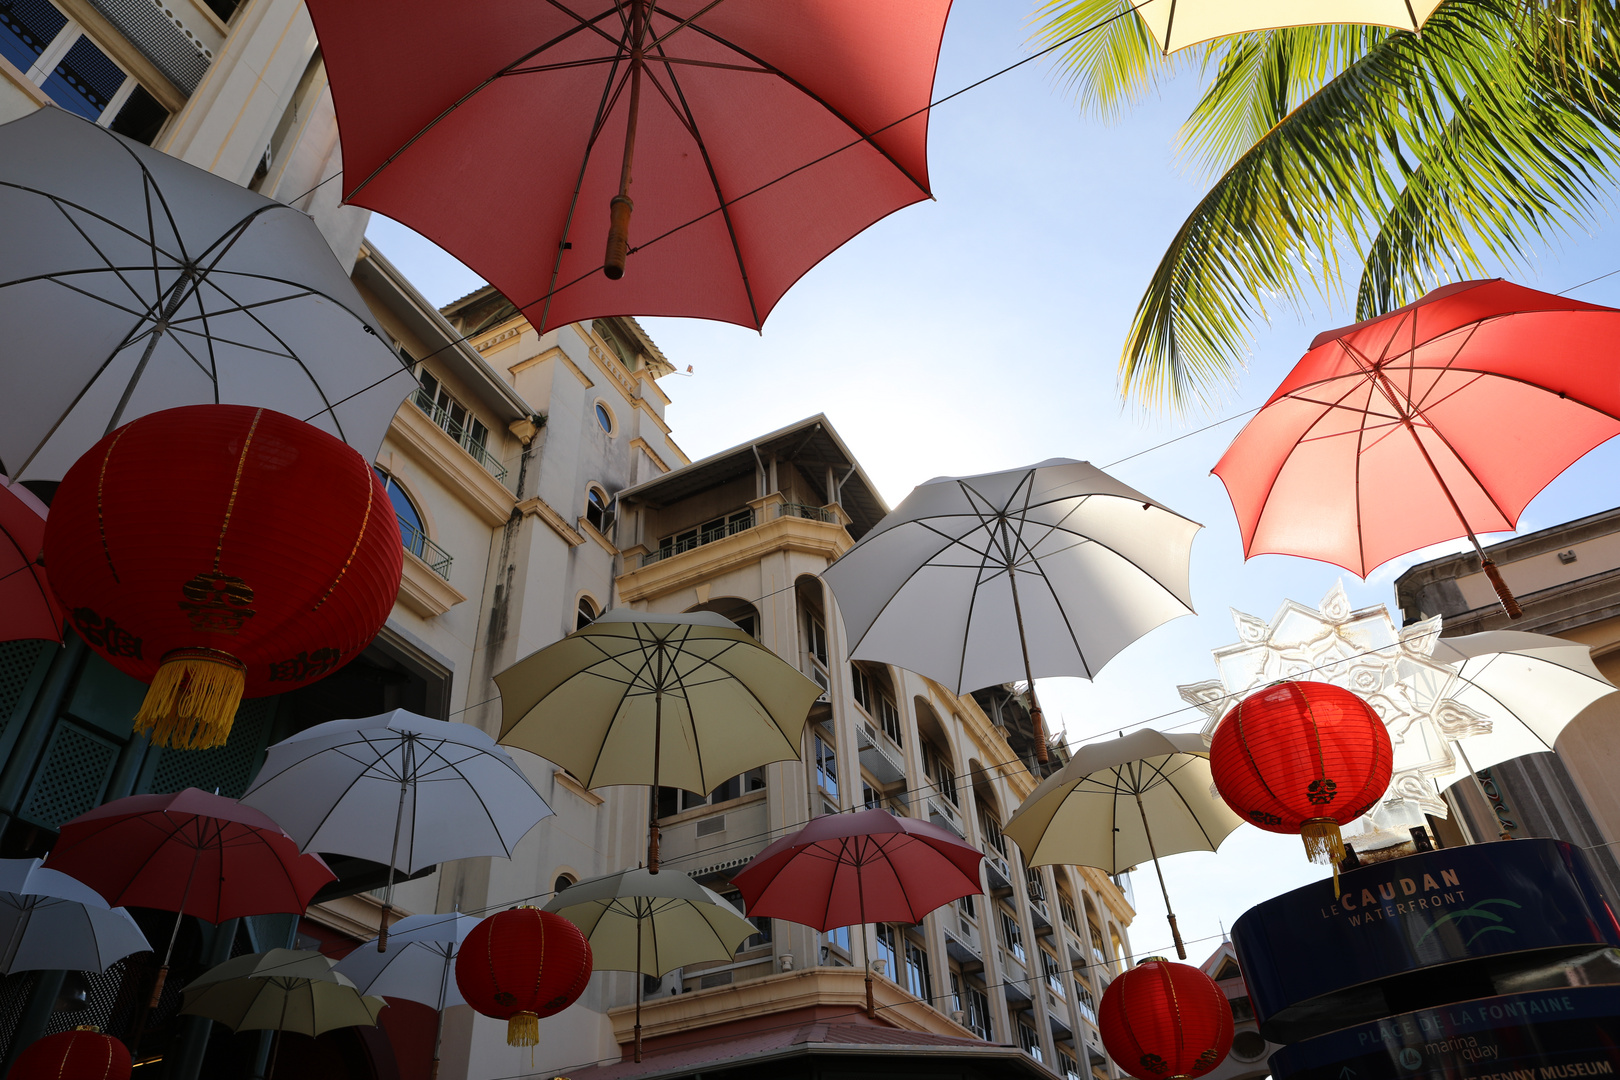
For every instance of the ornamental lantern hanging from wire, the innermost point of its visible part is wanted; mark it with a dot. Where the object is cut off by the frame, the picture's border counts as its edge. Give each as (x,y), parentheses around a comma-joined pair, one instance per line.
(81,1054)
(1304,757)
(521,965)
(1165,1021)
(221,551)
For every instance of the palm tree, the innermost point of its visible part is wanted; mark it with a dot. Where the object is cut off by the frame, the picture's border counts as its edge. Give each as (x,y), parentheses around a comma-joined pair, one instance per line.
(1402,160)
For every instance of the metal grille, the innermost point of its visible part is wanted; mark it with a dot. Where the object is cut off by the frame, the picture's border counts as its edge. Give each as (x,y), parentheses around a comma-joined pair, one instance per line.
(17,662)
(161,38)
(71,778)
(14,991)
(109,1004)
(230,767)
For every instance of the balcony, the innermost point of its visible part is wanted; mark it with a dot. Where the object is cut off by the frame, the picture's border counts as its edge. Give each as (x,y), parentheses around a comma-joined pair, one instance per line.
(996,869)
(416,542)
(737,523)
(1040,915)
(809,513)
(962,939)
(879,756)
(461,433)
(943,814)
(1058,1014)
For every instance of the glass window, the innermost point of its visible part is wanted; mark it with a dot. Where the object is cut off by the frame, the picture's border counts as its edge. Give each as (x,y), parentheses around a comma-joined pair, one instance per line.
(839,936)
(1011,934)
(1088,1004)
(1029,1040)
(604,418)
(85,81)
(1032,879)
(26,27)
(141,117)
(411,529)
(939,770)
(1066,910)
(890,716)
(562,882)
(587,613)
(965,905)
(978,1011)
(885,950)
(918,981)
(826,767)
(1054,973)
(1067,1065)
(862,688)
(871,797)
(992,830)
(596,509)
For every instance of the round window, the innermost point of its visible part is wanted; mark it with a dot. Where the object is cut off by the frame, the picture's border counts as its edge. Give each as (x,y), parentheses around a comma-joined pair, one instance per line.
(604,418)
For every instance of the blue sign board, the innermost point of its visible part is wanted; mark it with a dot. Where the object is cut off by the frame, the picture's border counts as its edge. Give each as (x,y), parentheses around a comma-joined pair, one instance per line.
(1314,962)
(1557,1034)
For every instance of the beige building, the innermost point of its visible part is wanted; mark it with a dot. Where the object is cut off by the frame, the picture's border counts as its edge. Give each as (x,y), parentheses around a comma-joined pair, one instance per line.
(1567,579)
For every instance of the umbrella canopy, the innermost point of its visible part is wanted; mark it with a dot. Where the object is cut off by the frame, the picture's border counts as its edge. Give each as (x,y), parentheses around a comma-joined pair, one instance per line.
(398,789)
(1120,802)
(763,135)
(1439,420)
(280,990)
(1178,24)
(1046,570)
(421,964)
(684,701)
(1525,687)
(180,287)
(51,922)
(189,852)
(28,608)
(650,923)
(844,869)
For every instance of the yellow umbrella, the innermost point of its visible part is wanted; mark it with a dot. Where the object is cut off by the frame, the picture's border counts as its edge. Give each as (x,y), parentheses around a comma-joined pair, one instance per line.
(685,701)
(1178,24)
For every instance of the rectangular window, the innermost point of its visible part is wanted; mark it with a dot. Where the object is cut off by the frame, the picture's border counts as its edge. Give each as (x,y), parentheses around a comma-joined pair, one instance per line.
(1088,1004)
(992,830)
(972,1004)
(889,715)
(1054,973)
(1067,1064)
(918,980)
(59,58)
(862,687)
(826,767)
(762,935)
(939,770)
(871,797)
(1032,879)
(1012,935)
(1066,910)
(1099,954)
(1030,1042)
(965,906)
(816,640)
(885,950)
(838,937)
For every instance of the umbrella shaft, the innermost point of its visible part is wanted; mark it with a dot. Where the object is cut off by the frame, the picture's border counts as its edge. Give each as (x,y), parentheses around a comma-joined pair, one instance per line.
(658,754)
(1023,643)
(620,206)
(1181,949)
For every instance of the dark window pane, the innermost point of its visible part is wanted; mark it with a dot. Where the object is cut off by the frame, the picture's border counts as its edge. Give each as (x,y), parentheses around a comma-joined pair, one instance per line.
(141,118)
(85,80)
(223,8)
(26,27)
(604,418)
(410,521)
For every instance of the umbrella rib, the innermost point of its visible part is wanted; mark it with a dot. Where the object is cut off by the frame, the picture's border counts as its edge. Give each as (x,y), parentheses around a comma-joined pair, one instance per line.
(146,241)
(603,107)
(157,283)
(714,179)
(978,580)
(582,24)
(601,747)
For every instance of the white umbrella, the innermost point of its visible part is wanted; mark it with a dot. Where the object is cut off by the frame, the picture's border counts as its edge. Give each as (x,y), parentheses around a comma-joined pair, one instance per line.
(398,789)
(651,924)
(1119,802)
(174,287)
(1047,570)
(420,968)
(686,701)
(52,922)
(1525,687)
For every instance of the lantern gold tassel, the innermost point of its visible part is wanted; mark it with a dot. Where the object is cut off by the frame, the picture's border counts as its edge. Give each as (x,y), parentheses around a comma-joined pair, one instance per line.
(1324,844)
(193,699)
(523,1029)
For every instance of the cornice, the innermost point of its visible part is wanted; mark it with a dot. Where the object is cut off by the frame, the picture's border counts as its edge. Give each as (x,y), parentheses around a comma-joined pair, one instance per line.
(566,781)
(657,420)
(638,443)
(591,531)
(543,510)
(691,568)
(424,591)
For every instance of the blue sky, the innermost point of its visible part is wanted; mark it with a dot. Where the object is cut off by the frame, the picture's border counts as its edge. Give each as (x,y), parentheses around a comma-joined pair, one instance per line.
(981,331)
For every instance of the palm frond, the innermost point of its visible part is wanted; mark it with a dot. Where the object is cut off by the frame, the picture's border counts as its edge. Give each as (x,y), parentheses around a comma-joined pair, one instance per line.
(1110,60)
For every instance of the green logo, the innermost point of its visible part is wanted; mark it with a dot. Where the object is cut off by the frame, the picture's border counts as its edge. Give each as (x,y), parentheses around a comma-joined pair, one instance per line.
(1480,910)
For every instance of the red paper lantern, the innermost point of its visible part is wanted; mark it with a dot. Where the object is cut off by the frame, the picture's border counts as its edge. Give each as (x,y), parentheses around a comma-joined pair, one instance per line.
(1164,1021)
(81,1054)
(1302,757)
(520,965)
(222,551)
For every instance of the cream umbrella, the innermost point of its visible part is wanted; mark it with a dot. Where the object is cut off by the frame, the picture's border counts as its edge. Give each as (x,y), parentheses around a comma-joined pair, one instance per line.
(280,990)
(651,924)
(1525,687)
(1046,570)
(1178,24)
(1122,801)
(685,701)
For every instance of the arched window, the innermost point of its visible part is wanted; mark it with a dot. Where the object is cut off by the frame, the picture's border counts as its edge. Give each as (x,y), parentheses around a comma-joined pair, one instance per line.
(596,510)
(411,528)
(587,613)
(562,882)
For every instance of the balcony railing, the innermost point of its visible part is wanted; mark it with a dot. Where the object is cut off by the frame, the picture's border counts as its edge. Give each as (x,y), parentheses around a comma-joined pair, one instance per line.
(809,513)
(417,543)
(737,523)
(459,432)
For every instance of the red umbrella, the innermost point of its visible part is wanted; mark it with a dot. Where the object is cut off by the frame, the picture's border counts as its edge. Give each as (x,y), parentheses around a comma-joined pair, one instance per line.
(844,869)
(27,607)
(191,853)
(1441,419)
(542,109)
